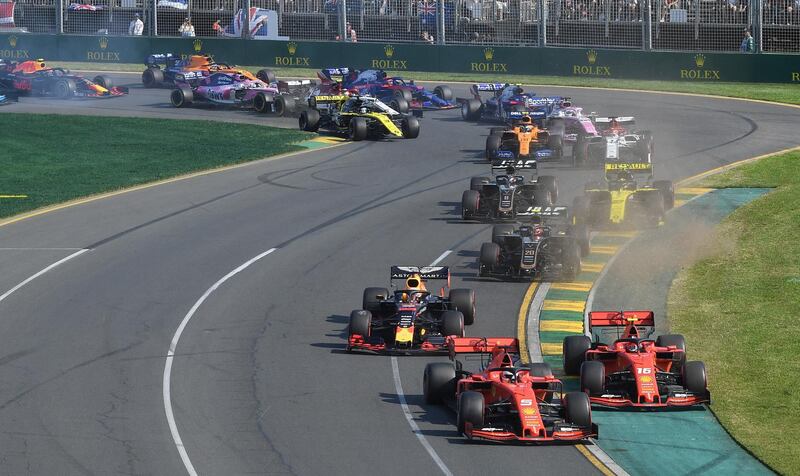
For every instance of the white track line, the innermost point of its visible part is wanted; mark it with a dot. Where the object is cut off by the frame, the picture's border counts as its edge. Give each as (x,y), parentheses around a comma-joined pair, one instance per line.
(173,427)
(59,262)
(398,386)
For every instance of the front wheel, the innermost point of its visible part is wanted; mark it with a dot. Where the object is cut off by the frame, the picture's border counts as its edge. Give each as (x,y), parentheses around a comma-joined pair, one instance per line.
(103,81)
(266,75)
(438,382)
(400,105)
(181,97)
(360,323)
(309,120)
(444,92)
(410,127)
(593,377)
(261,103)
(470,203)
(470,410)
(579,410)
(358,129)
(464,301)
(452,324)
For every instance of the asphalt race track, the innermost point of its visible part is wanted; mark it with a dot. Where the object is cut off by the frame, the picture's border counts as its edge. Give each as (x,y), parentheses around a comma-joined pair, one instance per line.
(260,380)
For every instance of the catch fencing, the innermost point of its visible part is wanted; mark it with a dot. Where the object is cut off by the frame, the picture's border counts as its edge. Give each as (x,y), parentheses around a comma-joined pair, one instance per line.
(668,25)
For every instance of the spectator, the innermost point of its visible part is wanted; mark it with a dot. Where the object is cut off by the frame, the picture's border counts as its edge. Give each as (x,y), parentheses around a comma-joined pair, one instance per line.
(136,27)
(187,29)
(426,37)
(217,28)
(350,34)
(668,5)
(747,43)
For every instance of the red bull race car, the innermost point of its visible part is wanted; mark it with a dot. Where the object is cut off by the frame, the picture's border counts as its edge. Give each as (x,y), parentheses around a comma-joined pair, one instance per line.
(506,401)
(410,319)
(634,370)
(36,79)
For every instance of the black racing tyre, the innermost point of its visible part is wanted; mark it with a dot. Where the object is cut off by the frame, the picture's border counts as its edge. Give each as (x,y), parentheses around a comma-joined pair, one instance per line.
(667,191)
(655,209)
(284,105)
(490,255)
(493,143)
(360,323)
(493,131)
(575,348)
(181,97)
(452,323)
(371,301)
(312,102)
(309,120)
(410,127)
(582,237)
(470,202)
(64,88)
(464,300)
(358,129)
(261,103)
(540,369)
(104,81)
(571,264)
(444,92)
(555,142)
(645,146)
(579,409)
(580,151)
(671,339)
(266,75)
(470,409)
(551,184)
(694,377)
(500,231)
(542,196)
(593,377)
(477,183)
(439,382)
(471,109)
(404,94)
(400,105)
(152,77)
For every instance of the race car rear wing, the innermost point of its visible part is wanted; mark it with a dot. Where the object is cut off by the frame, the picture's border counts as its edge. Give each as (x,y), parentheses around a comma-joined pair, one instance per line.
(335,71)
(622,120)
(424,272)
(607,326)
(614,169)
(330,99)
(161,59)
(545,214)
(504,165)
(481,345)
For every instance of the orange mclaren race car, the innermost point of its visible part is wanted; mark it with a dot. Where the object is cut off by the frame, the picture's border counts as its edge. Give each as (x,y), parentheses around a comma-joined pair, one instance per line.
(411,319)
(35,78)
(506,401)
(634,371)
(191,69)
(523,138)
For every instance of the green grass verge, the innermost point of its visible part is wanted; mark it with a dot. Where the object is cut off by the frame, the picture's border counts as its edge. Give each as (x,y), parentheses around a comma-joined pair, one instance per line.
(79,156)
(784,93)
(739,312)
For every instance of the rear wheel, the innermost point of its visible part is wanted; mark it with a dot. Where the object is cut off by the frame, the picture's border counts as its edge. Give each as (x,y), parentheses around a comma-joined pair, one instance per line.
(261,103)
(411,127)
(593,377)
(181,97)
(104,81)
(309,120)
(266,75)
(284,105)
(490,255)
(493,143)
(400,105)
(464,300)
(579,410)
(571,265)
(403,94)
(501,231)
(575,348)
(470,201)
(444,92)
(667,190)
(358,129)
(470,410)
(694,377)
(470,109)
(360,323)
(152,77)
(477,183)
(580,151)
(371,300)
(452,324)
(582,237)
(439,382)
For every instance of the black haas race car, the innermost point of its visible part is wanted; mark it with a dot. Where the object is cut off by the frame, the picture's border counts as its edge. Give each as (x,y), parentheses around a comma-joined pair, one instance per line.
(508,194)
(548,246)
(620,201)
(410,319)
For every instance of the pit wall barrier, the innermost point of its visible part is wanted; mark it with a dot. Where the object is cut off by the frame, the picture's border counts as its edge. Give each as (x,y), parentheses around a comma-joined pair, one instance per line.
(491,61)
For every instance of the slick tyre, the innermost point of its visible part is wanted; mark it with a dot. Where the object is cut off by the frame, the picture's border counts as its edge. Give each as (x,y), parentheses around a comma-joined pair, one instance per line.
(571,265)
(671,339)
(400,105)
(372,297)
(284,105)
(499,232)
(593,377)
(262,103)
(540,369)
(152,78)
(470,410)
(452,324)
(360,323)
(403,94)
(444,92)
(493,143)
(580,151)
(582,237)
(667,190)
(579,410)
(64,88)
(477,183)
(309,120)
(555,142)
(181,97)
(358,129)
(471,109)
(490,255)
(550,183)
(464,301)
(694,377)
(439,382)
(410,127)
(470,201)
(575,348)
(104,81)
(266,75)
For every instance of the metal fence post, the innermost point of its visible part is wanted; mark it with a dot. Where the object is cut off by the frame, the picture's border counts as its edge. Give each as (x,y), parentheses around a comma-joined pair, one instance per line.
(60,17)
(343,20)
(756,25)
(647,26)
(543,23)
(440,22)
(245,19)
(155,18)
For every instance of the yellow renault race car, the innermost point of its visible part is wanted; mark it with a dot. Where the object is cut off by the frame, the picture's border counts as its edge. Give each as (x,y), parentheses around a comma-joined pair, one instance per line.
(620,201)
(357,117)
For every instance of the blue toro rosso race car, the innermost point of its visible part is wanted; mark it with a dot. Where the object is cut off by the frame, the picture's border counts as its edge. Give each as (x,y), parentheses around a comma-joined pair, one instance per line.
(507,98)
(404,93)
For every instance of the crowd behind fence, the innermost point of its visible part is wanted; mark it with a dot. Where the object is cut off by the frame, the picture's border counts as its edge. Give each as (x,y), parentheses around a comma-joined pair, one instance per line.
(693,25)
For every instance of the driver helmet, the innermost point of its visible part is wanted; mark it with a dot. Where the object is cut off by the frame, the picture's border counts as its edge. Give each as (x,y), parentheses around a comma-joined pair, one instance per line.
(363,110)
(625,176)
(526,120)
(538,231)
(518,90)
(614,123)
(508,376)
(510,170)
(632,347)
(404,297)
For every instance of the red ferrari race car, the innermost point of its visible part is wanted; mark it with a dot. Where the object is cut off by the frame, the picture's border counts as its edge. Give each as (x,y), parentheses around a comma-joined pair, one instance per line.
(506,401)
(634,371)
(35,78)
(411,319)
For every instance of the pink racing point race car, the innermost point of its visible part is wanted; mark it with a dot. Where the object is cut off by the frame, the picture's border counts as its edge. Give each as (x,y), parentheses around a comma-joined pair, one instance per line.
(506,401)
(236,90)
(633,370)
